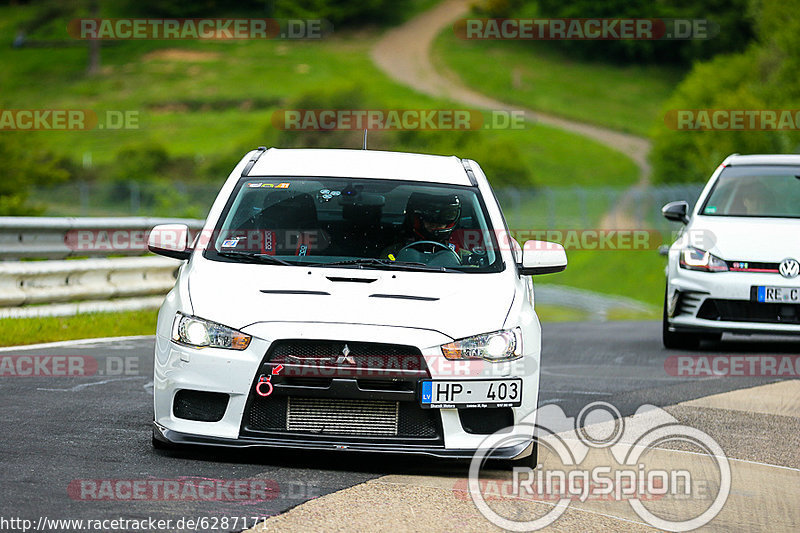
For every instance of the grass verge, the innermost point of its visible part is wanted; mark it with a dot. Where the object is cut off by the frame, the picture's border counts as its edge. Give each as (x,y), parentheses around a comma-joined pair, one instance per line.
(21,331)
(535,75)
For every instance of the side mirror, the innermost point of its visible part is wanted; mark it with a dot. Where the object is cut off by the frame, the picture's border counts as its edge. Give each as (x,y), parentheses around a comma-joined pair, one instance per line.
(170,240)
(540,257)
(676,212)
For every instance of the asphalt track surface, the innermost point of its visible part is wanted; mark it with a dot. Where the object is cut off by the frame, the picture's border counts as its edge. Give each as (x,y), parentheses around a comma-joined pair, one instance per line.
(56,430)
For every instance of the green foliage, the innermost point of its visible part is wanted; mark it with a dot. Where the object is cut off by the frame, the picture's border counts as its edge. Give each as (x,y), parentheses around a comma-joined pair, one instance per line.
(339,12)
(502,161)
(23,167)
(763,77)
(730,16)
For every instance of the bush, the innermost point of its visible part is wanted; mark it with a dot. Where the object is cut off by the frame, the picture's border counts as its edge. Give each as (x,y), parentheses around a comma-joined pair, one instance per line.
(731,16)
(756,79)
(25,166)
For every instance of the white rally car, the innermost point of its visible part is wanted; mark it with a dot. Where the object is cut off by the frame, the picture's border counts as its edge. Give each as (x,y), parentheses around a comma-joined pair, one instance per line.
(735,266)
(350,299)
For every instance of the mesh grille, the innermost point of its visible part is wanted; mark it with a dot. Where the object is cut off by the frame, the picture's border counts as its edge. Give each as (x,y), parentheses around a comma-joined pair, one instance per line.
(342,417)
(355,418)
(360,354)
(744,311)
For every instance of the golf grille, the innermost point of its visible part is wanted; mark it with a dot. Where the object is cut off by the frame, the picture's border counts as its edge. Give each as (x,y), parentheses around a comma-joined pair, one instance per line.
(342,417)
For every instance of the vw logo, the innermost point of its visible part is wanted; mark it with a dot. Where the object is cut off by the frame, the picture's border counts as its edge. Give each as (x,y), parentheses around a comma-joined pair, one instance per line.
(789,268)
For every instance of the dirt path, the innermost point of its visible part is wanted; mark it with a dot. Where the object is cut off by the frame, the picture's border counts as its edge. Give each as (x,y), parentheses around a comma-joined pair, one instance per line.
(404,54)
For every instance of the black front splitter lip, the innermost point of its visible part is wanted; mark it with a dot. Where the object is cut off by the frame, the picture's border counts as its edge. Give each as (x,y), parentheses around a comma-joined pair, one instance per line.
(175,437)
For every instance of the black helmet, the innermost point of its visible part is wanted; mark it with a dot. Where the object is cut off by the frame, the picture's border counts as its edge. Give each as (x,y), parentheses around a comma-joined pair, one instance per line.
(440,211)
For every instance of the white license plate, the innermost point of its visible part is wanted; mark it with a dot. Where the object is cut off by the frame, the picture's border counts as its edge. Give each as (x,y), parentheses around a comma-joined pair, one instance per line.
(778,295)
(471,393)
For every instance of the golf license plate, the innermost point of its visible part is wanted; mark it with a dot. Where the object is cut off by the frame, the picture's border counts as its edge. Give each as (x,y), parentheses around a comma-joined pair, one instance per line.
(471,393)
(778,295)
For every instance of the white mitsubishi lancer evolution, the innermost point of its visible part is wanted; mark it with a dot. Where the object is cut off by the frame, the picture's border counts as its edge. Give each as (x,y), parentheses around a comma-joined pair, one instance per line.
(735,266)
(350,300)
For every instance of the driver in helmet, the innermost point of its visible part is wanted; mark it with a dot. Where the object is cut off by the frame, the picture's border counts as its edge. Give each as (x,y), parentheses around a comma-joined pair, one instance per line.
(429,218)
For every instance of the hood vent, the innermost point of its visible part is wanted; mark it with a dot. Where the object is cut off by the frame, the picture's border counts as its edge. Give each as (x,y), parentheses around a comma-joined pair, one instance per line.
(404,297)
(351,280)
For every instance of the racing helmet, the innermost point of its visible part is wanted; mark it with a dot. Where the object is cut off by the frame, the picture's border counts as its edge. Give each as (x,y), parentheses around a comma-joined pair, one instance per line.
(433,216)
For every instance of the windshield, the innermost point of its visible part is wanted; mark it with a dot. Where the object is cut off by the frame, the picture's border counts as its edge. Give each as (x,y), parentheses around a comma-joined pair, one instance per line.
(357,223)
(755,192)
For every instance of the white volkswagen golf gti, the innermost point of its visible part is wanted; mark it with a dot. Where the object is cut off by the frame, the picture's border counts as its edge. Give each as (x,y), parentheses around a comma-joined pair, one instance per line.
(350,300)
(734,267)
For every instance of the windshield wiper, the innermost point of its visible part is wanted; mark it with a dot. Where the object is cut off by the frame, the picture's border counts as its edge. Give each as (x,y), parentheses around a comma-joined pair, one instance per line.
(265,259)
(385,263)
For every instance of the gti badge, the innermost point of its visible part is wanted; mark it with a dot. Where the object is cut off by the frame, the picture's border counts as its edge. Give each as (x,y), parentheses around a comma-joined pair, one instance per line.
(789,268)
(345,358)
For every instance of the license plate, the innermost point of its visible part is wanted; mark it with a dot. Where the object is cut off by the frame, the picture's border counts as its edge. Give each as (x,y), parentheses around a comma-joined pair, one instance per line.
(471,393)
(778,295)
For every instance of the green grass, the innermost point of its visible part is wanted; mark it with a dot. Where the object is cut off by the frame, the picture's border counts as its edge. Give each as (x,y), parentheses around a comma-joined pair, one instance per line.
(637,274)
(219,96)
(537,76)
(20,331)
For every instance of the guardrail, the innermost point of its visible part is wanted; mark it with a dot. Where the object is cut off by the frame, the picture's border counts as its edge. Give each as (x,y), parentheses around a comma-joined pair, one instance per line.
(60,238)
(62,286)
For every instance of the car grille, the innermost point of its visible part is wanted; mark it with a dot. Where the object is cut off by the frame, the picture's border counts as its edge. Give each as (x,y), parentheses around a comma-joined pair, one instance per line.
(364,392)
(744,311)
(353,354)
(342,417)
(335,417)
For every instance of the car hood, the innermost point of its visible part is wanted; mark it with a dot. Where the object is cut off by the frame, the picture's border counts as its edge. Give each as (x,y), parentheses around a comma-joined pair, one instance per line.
(457,305)
(768,240)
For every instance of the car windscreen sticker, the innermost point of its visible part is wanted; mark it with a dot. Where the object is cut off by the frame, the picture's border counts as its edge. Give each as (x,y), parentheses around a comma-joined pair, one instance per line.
(230,243)
(257,185)
(711,209)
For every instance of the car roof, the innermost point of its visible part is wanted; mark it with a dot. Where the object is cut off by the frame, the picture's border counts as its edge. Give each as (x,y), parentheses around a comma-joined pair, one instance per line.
(369,164)
(762,159)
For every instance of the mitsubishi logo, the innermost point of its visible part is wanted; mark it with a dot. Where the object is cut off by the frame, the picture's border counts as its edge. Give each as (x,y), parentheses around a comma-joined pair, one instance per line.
(789,268)
(345,358)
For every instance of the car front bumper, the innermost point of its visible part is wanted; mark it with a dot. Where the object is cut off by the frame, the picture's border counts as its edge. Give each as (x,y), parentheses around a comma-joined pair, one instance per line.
(233,373)
(723,302)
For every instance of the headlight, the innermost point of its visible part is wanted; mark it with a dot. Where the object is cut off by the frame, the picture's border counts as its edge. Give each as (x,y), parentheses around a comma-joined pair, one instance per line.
(197,332)
(498,346)
(696,259)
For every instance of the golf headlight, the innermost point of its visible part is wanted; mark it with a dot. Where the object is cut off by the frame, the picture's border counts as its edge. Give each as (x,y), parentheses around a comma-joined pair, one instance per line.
(696,259)
(199,333)
(498,346)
